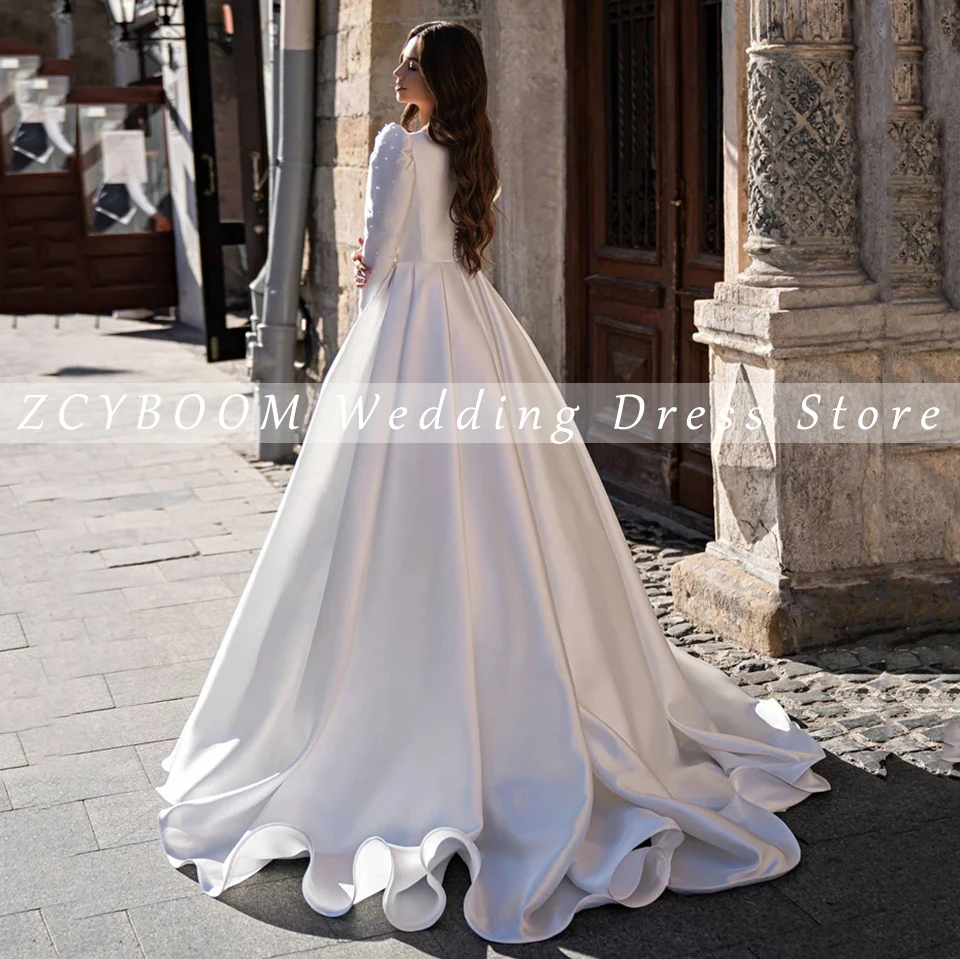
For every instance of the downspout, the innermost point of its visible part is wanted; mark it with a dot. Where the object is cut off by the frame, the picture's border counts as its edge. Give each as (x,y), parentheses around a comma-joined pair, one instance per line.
(272,348)
(64,16)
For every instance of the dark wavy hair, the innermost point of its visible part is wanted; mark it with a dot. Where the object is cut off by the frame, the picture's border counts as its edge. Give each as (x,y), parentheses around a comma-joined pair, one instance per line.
(451,63)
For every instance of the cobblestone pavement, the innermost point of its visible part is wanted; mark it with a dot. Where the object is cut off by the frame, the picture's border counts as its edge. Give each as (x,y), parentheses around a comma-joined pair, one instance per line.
(120,567)
(862,701)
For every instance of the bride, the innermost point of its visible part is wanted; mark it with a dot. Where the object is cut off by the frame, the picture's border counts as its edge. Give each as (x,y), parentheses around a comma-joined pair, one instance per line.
(445,648)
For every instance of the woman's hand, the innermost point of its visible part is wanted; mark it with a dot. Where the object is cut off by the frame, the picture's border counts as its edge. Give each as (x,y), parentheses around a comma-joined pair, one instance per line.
(360,269)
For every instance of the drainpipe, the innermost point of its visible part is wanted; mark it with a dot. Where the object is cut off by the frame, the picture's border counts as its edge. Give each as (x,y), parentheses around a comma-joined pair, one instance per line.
(271,349)
(271,55)
(63,12)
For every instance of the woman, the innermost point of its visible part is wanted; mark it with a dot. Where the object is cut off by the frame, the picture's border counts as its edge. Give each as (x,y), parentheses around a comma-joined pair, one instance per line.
(445,648)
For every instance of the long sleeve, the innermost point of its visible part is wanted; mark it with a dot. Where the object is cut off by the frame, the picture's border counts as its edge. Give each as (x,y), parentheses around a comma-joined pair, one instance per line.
(390,183)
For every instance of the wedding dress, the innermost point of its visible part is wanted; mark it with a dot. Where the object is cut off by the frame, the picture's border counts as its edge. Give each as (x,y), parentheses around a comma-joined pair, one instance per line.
(446,649)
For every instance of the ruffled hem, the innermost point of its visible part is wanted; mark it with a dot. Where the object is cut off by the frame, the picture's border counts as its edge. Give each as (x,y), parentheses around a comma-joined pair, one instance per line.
(411,877)
(624,857)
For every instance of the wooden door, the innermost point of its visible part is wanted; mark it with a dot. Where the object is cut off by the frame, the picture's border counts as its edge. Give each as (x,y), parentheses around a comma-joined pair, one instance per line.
(645,223)
(51,261)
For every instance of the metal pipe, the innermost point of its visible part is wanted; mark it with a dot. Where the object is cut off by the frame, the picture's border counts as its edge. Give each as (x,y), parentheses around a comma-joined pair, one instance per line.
(272,348)
(63,13)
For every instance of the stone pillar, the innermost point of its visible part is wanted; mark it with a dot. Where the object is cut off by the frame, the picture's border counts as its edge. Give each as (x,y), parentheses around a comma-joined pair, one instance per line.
(803,554)
(801,144)
(915,266)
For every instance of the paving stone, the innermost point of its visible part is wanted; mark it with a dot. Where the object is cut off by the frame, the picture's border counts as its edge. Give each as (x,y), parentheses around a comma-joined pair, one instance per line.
(864,719)
(107,936)
(197,643)
(935,733)
(218,564)
(792,669)
(870,760)
(176,594)
(753,666)
(81,695)
(58,541)
(693,639)
(107,729)
(215,614)
(254,924)
(148,552)
(24,936)
(903,745)
(21,675)
(925,721)
(89,883)
(878,734)
(11,752)
(841,745)
(838,660)
(11,632)
(41,631)
(38,834)
(19,545)
(229,543)
(154,684)
(413,945)
(124,818)
(119,577)
(891,934)
(106,603)
(20,714)
(5,803)
(806,696)
(933,761)
(786,686)
(902,661)
(64,779)
(151,754)
(176,529)
(828,732)
(762,678)
(250,484)
(70,661)
(827,710)
(875,872)
(140,624)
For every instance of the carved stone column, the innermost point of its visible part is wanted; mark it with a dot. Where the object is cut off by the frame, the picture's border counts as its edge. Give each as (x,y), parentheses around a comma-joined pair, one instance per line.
(802,204)
(915,267)
(807,550)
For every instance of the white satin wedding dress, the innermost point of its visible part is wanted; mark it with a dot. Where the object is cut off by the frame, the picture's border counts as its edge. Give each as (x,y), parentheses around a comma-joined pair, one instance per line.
(446,649)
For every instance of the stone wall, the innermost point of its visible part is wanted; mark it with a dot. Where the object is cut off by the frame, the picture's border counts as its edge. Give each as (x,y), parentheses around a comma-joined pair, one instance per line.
(524,49)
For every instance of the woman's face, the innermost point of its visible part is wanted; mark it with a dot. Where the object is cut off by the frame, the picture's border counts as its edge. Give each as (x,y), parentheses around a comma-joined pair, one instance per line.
(410,86)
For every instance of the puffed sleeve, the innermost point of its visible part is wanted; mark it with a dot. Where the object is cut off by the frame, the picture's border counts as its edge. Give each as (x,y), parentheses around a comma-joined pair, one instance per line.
(390,182)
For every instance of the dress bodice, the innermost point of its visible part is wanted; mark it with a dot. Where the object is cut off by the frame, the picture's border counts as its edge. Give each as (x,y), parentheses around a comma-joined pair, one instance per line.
(407,207)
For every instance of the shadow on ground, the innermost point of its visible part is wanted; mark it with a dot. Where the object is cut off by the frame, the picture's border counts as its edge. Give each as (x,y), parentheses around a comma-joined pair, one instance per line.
(165,329)
(879,879)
